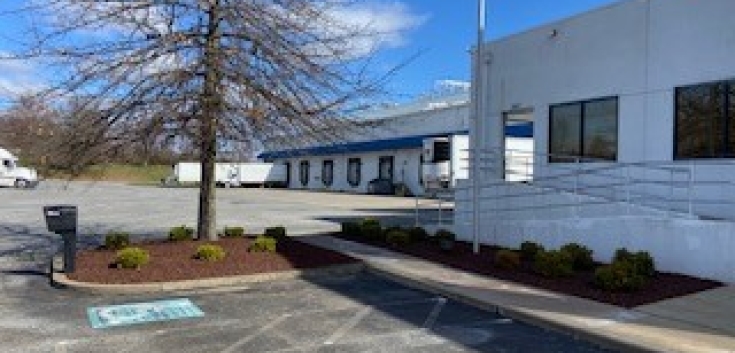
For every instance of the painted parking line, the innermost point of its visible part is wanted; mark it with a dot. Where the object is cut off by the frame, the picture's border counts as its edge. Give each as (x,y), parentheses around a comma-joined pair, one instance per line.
(101,317)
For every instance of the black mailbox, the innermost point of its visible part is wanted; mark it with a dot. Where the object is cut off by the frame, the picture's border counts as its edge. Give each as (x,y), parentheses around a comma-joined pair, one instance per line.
(61,219)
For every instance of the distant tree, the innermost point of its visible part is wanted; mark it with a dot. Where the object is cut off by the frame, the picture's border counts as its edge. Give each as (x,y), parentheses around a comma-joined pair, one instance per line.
(199,70)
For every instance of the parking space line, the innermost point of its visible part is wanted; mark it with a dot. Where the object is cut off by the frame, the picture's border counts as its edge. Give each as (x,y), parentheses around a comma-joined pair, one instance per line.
(348,326)
(255,334)
(431,319)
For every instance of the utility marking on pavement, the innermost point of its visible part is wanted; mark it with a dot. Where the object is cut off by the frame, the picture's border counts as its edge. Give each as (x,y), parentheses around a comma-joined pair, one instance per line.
(431,319)
(232,348)
(348,325)
(138,313)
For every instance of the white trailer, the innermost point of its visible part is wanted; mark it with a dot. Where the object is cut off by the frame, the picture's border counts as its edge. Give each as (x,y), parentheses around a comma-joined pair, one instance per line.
(445,160)
(233,174)
(13,175)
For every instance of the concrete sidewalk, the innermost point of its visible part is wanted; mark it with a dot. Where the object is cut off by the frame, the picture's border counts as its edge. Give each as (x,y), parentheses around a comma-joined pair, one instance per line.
(703,322)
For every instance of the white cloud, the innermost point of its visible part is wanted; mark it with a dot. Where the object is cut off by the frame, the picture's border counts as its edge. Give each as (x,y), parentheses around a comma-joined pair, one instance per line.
(389,22)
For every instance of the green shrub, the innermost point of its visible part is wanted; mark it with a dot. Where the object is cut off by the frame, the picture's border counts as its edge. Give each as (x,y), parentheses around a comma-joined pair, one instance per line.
(263,244)
(233,232)
(641,261)
(117,240)
(581,256)
(507,259)
(529,250)
(210,252)
(619,276)
(398,237)
(554,263)
(370,228)
(443,234)
(132,257)
(278,232)
(418,234)
(350,228)
(181,233)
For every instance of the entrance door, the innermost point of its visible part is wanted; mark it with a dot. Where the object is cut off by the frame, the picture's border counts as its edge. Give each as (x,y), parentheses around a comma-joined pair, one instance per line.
(385,168)
(288,174)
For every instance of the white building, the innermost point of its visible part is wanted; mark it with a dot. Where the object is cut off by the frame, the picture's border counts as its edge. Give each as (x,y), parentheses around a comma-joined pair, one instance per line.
(392,148)
(633,108)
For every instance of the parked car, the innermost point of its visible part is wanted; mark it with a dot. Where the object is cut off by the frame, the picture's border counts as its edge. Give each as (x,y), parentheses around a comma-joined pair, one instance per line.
(381,187)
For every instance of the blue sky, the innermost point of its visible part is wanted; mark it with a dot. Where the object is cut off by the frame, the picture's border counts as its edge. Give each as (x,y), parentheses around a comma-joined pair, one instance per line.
(448,30)
(436,33)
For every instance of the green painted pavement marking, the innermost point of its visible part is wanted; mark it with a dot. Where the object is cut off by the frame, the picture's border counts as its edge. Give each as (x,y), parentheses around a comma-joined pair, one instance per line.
(138,313)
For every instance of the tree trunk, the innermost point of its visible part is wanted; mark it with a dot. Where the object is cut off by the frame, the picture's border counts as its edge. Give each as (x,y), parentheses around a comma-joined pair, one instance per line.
(210,109)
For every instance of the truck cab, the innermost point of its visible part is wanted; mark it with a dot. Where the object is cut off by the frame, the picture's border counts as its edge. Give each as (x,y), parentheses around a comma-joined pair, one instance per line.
(13,175)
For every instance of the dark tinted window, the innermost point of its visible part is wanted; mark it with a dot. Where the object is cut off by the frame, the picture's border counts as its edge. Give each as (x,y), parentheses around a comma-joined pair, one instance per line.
(304,172)
(704,126)
(328,172)
(586,130)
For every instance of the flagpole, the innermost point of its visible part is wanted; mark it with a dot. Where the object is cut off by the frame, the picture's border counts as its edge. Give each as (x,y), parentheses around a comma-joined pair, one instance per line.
(479,112)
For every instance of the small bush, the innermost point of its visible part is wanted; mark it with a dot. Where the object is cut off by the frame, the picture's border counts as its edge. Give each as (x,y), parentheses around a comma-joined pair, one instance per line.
(181,233)
(232,232)
(619,276)
(554,263)
(581,256)
(351,228)
(418,234)
(507,259)
(443,234)
(278,232)
(117,240)
(398,237)
(263,244)
(529,250)
(210,252)
(132,257)
(641,261)
(370,228)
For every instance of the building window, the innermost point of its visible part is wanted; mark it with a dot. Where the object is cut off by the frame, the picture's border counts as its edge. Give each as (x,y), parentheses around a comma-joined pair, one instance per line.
(385,167)
(704,121)
(353,171)
(586,130)
(304,172)
(328,172)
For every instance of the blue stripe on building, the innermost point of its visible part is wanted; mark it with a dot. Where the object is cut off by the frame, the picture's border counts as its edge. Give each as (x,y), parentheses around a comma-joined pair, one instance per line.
(520,130)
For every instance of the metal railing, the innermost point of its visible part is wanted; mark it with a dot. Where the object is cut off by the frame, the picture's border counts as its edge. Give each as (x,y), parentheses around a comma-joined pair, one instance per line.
(531,183)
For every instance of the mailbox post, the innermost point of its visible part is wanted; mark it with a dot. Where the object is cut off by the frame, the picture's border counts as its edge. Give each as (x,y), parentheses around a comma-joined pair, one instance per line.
(62,220)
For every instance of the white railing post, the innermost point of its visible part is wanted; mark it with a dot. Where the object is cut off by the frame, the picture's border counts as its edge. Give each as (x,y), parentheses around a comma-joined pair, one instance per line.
(576,186)
(690,187)
(416,213)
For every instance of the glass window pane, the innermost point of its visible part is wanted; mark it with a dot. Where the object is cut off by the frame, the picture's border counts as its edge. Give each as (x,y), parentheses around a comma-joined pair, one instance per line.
(700,121)
(564,135)
(304,173)
(600,133)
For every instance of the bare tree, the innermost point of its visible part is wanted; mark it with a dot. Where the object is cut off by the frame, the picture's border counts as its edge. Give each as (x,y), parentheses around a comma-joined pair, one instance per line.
(203,69)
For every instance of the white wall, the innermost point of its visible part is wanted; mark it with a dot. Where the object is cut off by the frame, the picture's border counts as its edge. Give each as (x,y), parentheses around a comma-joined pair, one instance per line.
(405,170)
(639,50)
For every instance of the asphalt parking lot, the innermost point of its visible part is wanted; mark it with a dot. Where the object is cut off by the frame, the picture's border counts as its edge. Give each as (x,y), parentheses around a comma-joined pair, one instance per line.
(357,313)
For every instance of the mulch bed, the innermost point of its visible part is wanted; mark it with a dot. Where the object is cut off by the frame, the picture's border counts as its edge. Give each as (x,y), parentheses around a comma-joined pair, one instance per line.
(661,286)
(174,261)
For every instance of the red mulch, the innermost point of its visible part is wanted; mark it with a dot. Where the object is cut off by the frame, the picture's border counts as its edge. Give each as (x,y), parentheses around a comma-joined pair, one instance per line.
(661,286)
(174,261)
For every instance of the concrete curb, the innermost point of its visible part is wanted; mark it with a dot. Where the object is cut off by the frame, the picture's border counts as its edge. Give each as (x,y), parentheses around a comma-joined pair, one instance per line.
(205,284)
(528,316)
